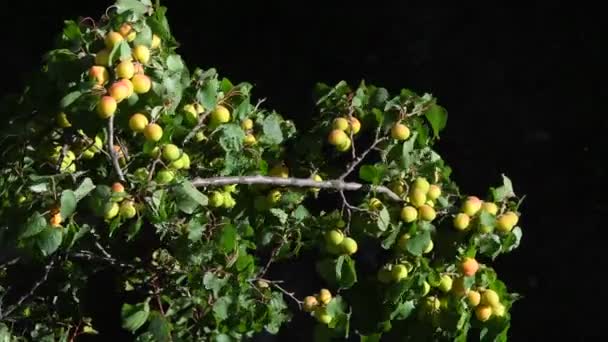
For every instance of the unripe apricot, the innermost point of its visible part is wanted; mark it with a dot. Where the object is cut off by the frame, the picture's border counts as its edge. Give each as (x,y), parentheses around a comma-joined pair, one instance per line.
(409,214)
(141,53)
(499,310)
(247,124)
(426,288)
(349,245)
(473,298)
(310,303)
(155,41)
(429,247)
(334,237)
(461,221)
(322,315)
(249,139)
(490,297)
(324,296)
(119,91)
(171,152)
(400,132)
(489,207)
(354,124)
(102,58)
(111,210)
(99,74)
(434,192)
(153,132)
(398,187)
(138,122)
(62,120)
(417,197)
(427,213)
(141,83)
(106,107)
(125,69)
(340,123)
(471,205)
(399,272)
(279,170)
(216,199)
(506,221)
(125,29)
(483,312)
(422,184)
(164,176)
(113,38)
(375,204)
(220,114)
(118,187)
(274,196)
(337,137)
(469,267)
(345,146)
(127,209)
(445,283)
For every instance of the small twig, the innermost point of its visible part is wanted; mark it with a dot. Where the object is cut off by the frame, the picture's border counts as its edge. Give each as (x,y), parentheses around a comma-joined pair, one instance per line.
(199,125)
(112,151)
(92,257)
(64,151)
(287,293)
(351,167)
(273,255)
(336,184)
(30,293)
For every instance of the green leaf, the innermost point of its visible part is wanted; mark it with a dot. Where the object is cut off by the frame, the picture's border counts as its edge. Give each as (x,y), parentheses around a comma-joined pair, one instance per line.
(437,117)
(489,244)
(371,338)
(417,244)
(144,37)
(487,219)
(403,310)
(407,157)
(175,63)
(68,203)
(84,189)
(222,338)
(135,6)
(384,219)
(271,127)
(207,96)
(160,327)
(195,230)
(228,238)
(34,225)
(221,308)
(49,240)
(512,240)
(70,98)
(188,198)
(232,136)
(390,239)
(346,273)
(214,283)
(134,316)
(300,214)
(280,214)
(372,173)
(39,188)
(505,191)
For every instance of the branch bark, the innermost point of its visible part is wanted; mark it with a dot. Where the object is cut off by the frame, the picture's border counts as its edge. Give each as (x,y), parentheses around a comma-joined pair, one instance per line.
(115,162)
(335,184)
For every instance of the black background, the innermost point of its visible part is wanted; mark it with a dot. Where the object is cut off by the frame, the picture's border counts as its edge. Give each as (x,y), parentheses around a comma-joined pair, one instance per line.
(524,89)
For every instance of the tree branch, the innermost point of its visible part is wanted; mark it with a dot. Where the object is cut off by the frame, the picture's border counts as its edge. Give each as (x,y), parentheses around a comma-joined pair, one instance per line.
(351,167)
(199,125)
(336,184)
(26,296)
(112,151)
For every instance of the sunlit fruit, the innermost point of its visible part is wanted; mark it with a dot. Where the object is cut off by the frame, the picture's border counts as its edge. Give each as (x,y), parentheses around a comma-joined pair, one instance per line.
(434,192)
(349,245)
(216,199)
(409,214)
(99,74)
(141,83)
(471,205)
(125,29)
(111,210)
(155,42)
(141,174)
(427,213)
(322,315)
(337,137)
(62,120)
(183,162)
(249,140)
(473,298)
(229,201)
(119,91)
(125,69)
(423,184)
(490,297)
(106,107)
(400,132)
(483,312)
(469,266)
(417,197)
(112,38)
(247,124)
(141,53)
(171,152)
(153,132)
(506,221)
(220,114)
(279,170)
(102,58)
(164,176)
(127,209)
(118,187)
(375,203)
(138,122)
(489,207)
(461,221)
(334,237)
(324,296)
(445,283)
(399,272)
(340,123)
(354,124)
(309,303)
(345,146)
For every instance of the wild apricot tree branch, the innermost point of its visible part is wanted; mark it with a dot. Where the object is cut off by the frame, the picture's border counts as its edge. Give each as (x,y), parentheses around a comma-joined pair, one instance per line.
(335,184)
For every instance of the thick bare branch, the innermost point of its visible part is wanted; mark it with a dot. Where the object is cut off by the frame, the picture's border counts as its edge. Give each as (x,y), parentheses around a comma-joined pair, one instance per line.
(335,184)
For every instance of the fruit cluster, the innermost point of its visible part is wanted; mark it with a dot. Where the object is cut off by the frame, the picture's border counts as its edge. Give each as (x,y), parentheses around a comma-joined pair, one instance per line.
(337,243)
(223,198)
(421,200)
(120,204)
(317,305)
(342,128)
(471,209)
